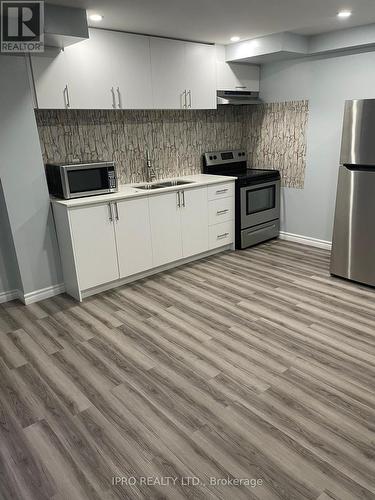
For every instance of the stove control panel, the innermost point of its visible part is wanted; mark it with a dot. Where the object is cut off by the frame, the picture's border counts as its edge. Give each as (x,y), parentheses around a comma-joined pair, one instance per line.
(224,157)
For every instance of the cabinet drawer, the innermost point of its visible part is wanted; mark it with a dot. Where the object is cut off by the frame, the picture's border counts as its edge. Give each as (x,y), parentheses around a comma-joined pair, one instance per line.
(220,234)
(220,210)
(220,191)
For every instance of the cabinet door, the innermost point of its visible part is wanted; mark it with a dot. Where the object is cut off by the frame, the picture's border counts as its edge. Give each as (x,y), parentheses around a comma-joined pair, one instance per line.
(168,73)
(94,245)
(165,216)
(50,78)
(245,76)
(91,72)
(235,76)
(133,236)
(132,70)
(200,76)
(194,221)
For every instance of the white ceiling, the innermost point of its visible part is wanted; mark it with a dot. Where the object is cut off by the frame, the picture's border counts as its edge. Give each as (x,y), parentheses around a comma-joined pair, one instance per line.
(218,20)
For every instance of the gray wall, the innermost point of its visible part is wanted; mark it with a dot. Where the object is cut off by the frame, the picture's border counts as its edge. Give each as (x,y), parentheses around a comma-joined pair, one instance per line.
(9,276)
(24,184)
(326,83)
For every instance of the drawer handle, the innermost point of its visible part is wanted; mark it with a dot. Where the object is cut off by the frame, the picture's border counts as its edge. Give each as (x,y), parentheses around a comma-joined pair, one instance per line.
(222,212)
(221,191)
(221,236)
(250,233)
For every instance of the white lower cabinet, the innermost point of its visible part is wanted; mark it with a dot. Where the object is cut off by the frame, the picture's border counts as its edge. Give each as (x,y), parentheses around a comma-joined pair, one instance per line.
(194,221)
(94,245)
(221,234)
(220,210)
(133,236)
(165,228)
(179,224)
(103,243)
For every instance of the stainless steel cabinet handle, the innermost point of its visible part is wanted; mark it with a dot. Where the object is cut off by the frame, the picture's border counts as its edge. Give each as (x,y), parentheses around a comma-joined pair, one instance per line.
(222,212)
(116,207)
(189,94)
(113,98)
(66,96)
(183,99)
(178,199)
(67,93)
(119,98)
(221,191)
(110,212)
(183,199)
(220,236)
(241,87)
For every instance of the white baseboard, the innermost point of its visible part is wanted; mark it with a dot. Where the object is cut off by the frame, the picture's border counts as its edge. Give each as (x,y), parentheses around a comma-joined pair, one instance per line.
(51,291)
(9,295)
(43,293)
(306,240)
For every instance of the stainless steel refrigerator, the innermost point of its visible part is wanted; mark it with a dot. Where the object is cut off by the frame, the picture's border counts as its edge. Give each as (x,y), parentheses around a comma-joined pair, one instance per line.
(353,245)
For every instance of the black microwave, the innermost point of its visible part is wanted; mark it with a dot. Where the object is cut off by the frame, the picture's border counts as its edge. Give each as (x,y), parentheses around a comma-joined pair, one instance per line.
(75,180)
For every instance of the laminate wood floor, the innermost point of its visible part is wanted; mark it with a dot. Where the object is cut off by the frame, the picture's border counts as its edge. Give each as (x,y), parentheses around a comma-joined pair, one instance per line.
(245,366)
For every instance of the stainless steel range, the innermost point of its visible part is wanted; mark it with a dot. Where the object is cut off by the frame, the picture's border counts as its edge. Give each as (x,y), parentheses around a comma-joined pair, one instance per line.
(257,196)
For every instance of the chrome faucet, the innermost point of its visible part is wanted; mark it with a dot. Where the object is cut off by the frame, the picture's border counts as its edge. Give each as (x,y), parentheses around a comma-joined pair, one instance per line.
(150,171)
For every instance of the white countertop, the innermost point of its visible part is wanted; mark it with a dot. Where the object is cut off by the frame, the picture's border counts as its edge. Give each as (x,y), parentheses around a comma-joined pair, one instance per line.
(131,191)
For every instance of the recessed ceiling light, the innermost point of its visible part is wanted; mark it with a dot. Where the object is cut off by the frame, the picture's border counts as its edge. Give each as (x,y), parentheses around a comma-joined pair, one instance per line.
(344,13)
(96,17)
(234,38)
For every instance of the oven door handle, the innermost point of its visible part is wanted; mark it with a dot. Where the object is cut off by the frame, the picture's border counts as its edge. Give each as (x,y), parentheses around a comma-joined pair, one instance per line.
(260,186)
(261,230)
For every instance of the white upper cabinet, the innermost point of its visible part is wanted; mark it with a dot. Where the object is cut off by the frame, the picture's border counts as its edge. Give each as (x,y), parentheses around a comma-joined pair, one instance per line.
(168,73)
(114,70)
(200,76)
(89,66)
(50,79)
(110,70)
(183,74)
(235,76)
(131,70)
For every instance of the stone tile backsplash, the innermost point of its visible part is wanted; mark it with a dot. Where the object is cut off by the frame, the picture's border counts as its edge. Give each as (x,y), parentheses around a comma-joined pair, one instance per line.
(274,136)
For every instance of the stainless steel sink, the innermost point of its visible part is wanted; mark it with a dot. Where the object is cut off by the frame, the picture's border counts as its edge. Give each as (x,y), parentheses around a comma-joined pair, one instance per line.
(160,185)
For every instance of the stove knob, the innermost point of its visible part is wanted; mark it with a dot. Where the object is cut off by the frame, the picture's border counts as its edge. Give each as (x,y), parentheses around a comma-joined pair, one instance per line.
(215,157)
(211,157)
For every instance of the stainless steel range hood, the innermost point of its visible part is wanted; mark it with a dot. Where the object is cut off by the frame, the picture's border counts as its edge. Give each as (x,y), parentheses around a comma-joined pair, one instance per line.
(237,97)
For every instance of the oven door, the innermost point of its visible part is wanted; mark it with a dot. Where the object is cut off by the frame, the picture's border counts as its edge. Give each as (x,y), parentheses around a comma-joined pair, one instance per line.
(88,180)
(260,203)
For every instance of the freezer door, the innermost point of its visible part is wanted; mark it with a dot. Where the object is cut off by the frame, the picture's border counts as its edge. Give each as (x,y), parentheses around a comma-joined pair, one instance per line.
(353,245)
(358,144)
